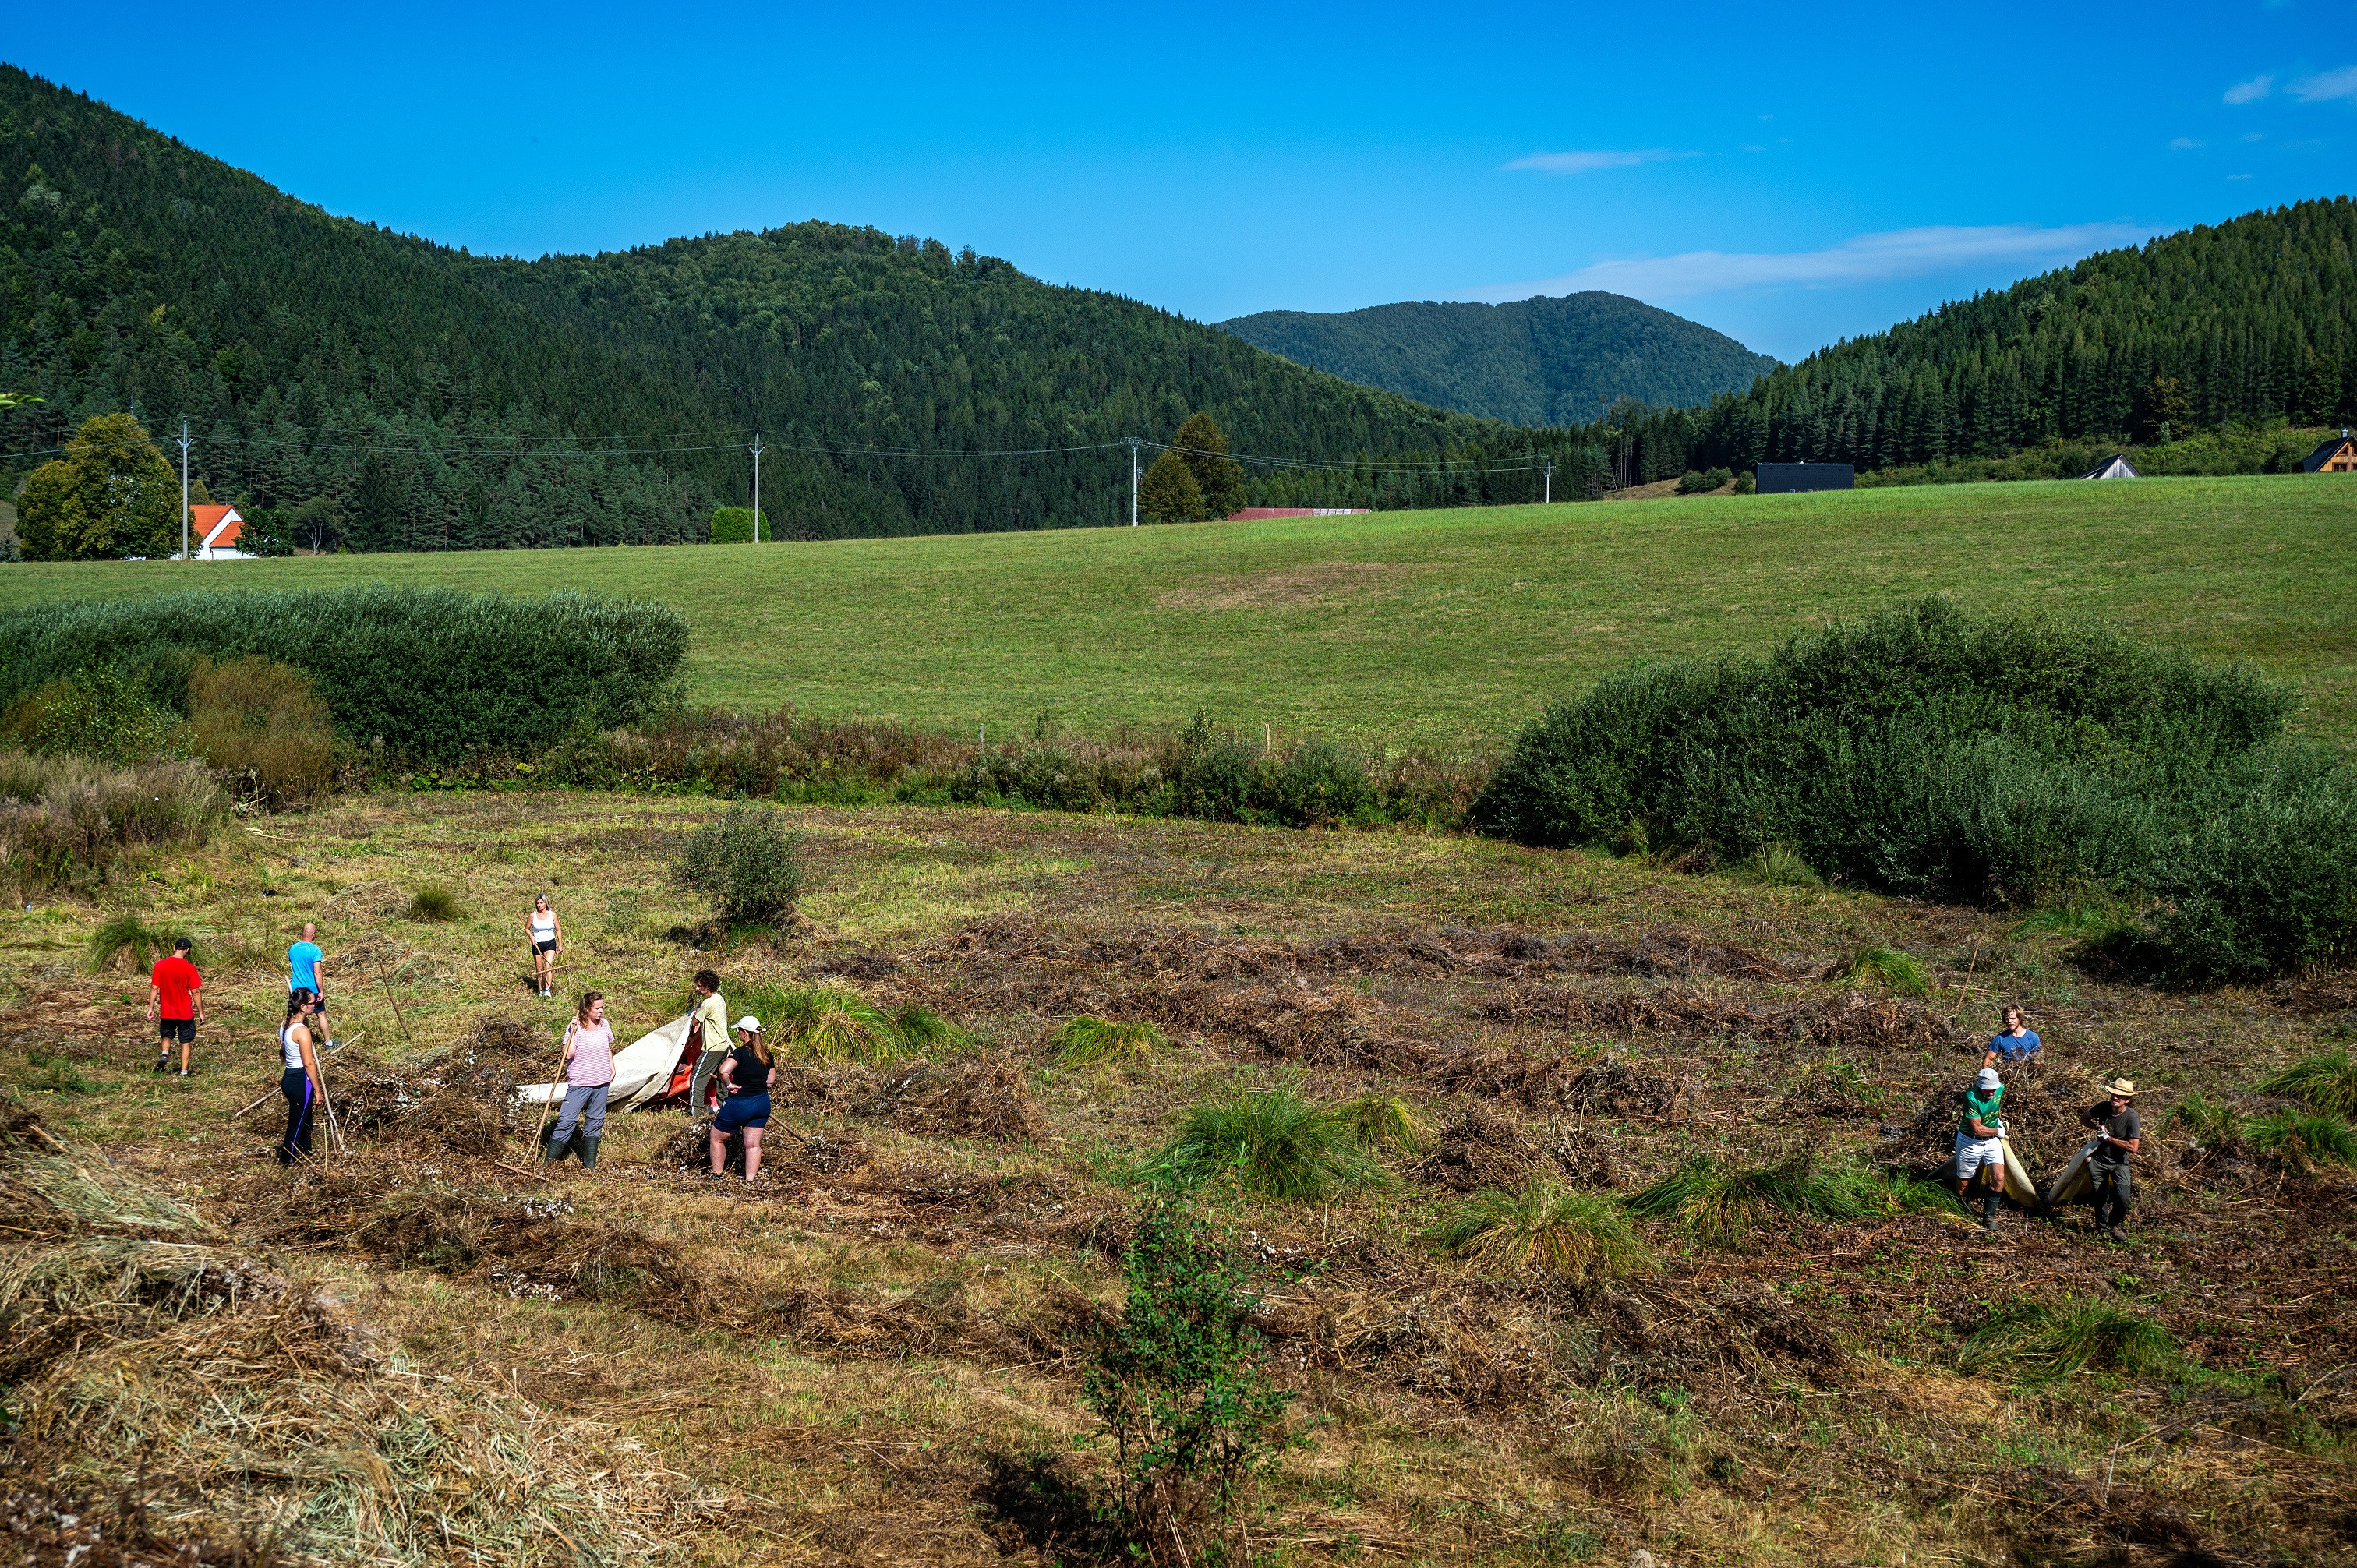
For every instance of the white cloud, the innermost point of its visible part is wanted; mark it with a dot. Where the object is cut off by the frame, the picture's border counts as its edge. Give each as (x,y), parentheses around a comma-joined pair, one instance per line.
(2251,92)
(2326,86)
(1584,162)
(1868,258)
(2182,141)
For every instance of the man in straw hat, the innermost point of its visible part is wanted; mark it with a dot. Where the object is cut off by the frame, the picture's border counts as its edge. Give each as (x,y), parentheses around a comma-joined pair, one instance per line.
(2119,1132)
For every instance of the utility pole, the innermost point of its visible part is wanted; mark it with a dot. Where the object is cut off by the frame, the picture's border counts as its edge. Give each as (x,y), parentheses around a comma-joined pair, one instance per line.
(184,489)
(757,487)
(1548,498)
(1132,480)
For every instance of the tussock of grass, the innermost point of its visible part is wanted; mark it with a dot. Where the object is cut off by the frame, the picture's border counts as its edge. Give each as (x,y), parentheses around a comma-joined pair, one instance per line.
(1885,966)
(925,1031)
(1545,1225)
(433,903)
(2326,1083)
(2303,1141)
(2210,1125)
(1083,1040)
(1272,1142)
(1382,1122)
(1776,866)
(2073,918)
(2057,1341)
(1719,1204)
(832,1023)
(127,942)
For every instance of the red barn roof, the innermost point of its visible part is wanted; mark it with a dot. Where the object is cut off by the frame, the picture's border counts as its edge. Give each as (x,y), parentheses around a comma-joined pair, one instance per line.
(216,527)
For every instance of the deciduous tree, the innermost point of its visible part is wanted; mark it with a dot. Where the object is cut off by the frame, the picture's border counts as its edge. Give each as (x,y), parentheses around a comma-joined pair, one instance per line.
(1169,493)
(110,495)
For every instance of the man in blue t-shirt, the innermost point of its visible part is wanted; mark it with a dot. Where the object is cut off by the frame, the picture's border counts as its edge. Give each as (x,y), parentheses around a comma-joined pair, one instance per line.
(2017,1042)
(304,961)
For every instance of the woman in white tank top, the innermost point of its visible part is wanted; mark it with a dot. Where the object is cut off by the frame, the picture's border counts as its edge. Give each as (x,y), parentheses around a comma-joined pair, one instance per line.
(298,1079)
(547,940)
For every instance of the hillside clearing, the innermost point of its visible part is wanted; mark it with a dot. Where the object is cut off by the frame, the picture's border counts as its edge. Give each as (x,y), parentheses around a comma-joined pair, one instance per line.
(1442,630)
(862,1356)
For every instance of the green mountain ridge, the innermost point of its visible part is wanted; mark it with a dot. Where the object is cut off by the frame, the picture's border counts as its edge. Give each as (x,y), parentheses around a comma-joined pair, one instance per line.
(1546,360)
(435,398)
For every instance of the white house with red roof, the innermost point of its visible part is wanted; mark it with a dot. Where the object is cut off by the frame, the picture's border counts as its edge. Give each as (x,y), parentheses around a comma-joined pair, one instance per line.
(214,533)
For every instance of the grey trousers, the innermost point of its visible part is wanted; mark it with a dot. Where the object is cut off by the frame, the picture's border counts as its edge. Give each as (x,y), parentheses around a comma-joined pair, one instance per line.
(585,1103)
(2114,1188)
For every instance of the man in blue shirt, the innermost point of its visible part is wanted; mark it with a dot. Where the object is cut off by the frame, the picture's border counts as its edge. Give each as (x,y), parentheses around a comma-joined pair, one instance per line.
(2016,1043)
(304,961)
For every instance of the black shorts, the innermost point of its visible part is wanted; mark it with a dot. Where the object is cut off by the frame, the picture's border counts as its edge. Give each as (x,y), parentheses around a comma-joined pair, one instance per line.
(181,1029)
(548,946)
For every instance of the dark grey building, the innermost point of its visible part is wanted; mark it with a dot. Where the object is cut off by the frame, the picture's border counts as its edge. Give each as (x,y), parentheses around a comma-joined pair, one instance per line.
(1785,478)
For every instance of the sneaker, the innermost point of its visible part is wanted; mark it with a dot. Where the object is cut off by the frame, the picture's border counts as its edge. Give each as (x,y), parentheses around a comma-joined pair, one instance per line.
(163,1060)
(184,1072)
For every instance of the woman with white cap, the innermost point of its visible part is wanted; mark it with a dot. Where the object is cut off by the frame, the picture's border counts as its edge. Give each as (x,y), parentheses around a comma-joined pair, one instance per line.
(745,1078)
(1980,1145)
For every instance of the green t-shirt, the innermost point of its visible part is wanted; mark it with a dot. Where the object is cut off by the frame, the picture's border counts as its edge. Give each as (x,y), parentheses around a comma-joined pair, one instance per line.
(1981,1107)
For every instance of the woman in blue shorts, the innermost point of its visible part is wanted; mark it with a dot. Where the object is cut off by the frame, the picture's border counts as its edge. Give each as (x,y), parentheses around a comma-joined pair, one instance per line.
(745,1077)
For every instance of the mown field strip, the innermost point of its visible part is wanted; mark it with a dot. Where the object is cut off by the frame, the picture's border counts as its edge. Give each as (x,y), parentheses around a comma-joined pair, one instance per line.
(1436,629)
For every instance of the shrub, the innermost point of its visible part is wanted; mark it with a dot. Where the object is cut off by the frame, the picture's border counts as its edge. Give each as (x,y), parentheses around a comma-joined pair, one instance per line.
(260,723)
(1719,1204)
(1887,966)
(1314,785)
(1693,483)
(1273,1143)
(2326,1083)
(1745,484)
(746,863)
(92,713)
(831,1022)
(2055,1342)
(732,525)
(69,822)
(1223,778)
(1180,1383)
(1547,1226)
(2002,760)
(1084,1039)
(433,903)
(432,673)
(2303,1141)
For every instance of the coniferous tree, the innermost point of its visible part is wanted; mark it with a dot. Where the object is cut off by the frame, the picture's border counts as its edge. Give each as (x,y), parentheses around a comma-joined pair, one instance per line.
(1220,479)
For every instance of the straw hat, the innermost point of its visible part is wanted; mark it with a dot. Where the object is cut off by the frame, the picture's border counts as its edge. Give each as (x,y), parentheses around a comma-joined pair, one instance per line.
(2123,1088)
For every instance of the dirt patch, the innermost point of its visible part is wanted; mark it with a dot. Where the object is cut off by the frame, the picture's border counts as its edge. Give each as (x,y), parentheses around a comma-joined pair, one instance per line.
(1297,585)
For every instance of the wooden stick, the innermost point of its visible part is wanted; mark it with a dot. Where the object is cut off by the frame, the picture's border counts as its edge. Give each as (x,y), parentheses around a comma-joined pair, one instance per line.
(319,1066)
(386,979)
(332,1046)
(547,1102)
(1969,967)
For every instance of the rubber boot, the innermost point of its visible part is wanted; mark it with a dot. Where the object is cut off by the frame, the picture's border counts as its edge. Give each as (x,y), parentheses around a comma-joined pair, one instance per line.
(1988,1210)
(555,1149)
(589,1154)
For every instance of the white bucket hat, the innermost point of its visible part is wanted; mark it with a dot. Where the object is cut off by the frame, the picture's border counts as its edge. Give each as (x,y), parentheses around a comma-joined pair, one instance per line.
(1987,1080)
(749,1024)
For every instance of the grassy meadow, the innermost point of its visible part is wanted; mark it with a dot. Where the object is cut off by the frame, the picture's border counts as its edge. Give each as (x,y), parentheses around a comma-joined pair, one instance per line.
(857,1358)
(1441,630)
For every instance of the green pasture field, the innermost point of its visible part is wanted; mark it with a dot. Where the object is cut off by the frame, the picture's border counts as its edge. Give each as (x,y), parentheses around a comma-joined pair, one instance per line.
(1440,630)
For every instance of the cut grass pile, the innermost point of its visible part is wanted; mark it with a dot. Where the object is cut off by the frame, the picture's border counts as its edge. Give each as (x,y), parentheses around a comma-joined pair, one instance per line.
(1113,627)
(1545,1225)
(2045,1341)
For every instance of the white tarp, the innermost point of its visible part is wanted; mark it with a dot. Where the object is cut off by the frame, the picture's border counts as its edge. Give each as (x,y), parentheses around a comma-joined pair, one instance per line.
(642,1070)
(2078,1177)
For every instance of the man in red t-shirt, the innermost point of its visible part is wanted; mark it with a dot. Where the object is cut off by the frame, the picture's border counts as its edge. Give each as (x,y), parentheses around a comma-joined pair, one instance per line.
(174,999)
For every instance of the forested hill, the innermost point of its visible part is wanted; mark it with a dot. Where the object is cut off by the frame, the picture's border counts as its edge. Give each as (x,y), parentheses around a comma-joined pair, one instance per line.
(2251,320)
(423,397)
(1540,361)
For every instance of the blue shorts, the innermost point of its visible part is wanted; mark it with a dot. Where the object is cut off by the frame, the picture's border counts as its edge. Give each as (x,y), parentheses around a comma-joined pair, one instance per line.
(742,1111)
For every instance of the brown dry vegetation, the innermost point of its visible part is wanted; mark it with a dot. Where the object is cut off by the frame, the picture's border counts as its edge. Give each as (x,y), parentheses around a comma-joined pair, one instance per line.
(867,1354)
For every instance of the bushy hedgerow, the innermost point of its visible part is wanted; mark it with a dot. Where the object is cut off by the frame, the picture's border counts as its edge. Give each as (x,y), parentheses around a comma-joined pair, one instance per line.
(2002,760)
(429,673)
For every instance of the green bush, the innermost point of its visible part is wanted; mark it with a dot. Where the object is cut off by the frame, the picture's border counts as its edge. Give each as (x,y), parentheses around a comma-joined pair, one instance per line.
(261,724)
(1273,1143)
(1180,1383)
(2325,1083)
(732,525)
(1691,482)
(746,863)
(92,713)
(434,674)
(1545,1225)
(1745,484)
(2005,760)
(72,822)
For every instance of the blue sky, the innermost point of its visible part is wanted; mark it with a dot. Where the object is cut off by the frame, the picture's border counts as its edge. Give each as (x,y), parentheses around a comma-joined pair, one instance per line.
(1788,175)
